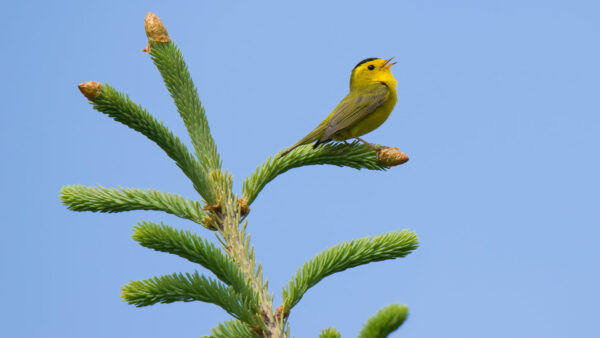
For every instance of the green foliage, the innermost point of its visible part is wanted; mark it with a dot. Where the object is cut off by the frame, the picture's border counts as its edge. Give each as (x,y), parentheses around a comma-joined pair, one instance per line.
(122,109)
(354,155)
(330,333)
(195,249)
(169,61)
(348,255)
(231,328)
(188,287)
(99,199)
(386,321)
(240,289)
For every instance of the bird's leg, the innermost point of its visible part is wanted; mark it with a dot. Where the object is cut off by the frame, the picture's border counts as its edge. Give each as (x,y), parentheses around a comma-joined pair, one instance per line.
(370,145)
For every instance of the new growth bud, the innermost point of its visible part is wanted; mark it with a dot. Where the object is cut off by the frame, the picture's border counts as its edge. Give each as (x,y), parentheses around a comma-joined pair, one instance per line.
(391,156)
(90,89)
(155,31)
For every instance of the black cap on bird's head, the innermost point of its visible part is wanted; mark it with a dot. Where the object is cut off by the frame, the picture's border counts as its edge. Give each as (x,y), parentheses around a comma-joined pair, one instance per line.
(386,63)
(364,61)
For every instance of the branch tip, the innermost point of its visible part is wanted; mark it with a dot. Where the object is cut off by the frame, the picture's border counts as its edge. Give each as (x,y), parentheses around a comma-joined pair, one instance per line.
(391,157)
(155,31)
(90,89)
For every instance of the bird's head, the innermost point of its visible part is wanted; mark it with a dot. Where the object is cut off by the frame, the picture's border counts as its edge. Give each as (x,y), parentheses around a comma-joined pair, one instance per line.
(372,70)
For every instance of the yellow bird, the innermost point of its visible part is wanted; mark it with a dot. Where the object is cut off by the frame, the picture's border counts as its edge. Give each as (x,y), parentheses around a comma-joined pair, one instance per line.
(370,101)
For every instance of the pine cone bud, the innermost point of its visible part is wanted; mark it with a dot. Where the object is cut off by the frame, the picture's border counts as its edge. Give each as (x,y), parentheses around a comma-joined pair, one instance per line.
(391,156)
(90,89)
(155,30)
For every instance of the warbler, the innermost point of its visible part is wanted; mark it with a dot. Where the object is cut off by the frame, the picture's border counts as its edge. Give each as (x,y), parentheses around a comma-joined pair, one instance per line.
(371,99)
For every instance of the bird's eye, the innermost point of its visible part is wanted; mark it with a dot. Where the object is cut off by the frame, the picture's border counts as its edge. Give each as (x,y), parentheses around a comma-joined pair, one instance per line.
(371,67)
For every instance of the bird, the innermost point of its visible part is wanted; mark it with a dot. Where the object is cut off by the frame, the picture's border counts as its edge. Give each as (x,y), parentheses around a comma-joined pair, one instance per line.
(371,99)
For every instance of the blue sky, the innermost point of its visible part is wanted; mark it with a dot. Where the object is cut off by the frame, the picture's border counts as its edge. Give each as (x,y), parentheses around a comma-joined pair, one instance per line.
(498,110)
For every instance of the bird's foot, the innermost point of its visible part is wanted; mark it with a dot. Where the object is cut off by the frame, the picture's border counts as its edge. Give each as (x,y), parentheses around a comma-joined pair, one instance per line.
(370,145)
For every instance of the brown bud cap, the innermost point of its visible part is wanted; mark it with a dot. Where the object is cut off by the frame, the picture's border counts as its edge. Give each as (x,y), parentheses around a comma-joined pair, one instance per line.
(90,89)
(258,330)
(391,156)
(155,30)
(279,312)
(244,207)
(210,223)
(216,208)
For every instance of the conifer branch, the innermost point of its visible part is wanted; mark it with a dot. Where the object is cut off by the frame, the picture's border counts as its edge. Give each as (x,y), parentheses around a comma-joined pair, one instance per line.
(231,328)
(227,210)
(122,109)
(198,250)
(346,255)
(384,322)
(354,155)
(171,65)
(242,291)
(330,333)
(100,199)
(188,287)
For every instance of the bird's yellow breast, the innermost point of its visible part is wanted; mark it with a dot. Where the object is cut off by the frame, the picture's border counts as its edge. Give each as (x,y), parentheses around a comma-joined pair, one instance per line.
(374,120)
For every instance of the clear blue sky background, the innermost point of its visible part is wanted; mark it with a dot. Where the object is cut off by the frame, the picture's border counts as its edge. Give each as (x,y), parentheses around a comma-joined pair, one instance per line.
(498,109)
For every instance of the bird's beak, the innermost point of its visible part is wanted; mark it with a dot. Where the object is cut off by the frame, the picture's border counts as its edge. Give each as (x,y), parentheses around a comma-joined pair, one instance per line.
(387,64)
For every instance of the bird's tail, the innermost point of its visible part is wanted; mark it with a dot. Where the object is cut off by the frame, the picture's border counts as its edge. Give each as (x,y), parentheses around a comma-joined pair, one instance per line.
(296,145)
(311,137)
(300,143)
(314,135)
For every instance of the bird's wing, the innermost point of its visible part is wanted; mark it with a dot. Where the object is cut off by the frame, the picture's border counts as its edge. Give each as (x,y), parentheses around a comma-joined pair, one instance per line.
(355,107)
